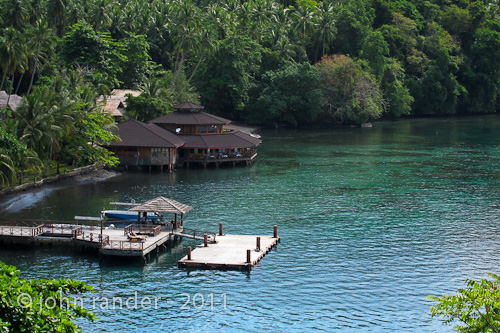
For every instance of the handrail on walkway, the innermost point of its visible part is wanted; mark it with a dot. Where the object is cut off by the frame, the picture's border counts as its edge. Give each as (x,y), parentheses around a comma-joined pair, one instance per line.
(196,234)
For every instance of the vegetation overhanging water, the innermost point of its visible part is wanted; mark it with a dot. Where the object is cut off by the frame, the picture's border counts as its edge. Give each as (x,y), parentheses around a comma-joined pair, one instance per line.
(372,220)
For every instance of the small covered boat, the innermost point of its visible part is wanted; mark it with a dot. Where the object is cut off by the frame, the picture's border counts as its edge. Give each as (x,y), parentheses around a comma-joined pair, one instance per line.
(129,215)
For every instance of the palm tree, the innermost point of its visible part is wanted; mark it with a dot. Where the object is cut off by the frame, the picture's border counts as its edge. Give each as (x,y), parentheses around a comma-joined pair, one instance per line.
(243,13)
(42,41)
(186,33)
(73,12)
(324,26)
(303,20)
(12,52)
(223,22)
(7,171)
(13,56)
(259,16)
(42,119)
(100,14)
(37,10)
(494,8)
(155,87)
(56,11)
(27,160)
(208,46)
(15,13)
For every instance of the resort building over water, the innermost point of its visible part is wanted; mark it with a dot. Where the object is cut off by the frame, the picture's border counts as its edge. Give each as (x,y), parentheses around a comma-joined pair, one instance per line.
(185,137)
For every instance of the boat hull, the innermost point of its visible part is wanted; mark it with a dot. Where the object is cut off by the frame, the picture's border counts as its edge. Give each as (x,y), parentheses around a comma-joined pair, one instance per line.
(127,215)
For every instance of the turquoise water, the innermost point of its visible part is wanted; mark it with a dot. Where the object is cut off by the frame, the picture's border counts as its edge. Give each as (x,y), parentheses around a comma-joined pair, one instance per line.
(372,221)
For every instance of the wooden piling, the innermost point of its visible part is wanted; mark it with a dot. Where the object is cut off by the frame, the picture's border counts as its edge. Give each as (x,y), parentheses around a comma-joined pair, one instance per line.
(275,234)
(248,256)
(258,243)
(205,240)
(220,228)
(189,253)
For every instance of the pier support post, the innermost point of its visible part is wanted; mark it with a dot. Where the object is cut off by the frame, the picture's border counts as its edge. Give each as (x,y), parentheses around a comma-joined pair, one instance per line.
(220,228)
(275,234)
(248,256)
(258,244)
(205,240)
(189,252)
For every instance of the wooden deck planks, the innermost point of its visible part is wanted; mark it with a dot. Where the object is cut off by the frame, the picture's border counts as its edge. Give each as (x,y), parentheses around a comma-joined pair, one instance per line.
(148,245)
(230,252)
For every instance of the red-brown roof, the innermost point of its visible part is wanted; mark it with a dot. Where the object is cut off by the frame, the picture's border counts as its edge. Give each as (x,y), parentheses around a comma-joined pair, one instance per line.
(190,118)
(220,141)
(188,106)
(137,134)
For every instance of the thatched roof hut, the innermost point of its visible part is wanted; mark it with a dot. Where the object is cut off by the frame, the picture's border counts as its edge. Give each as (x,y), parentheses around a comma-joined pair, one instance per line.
(14,100)
(162,205)
(115,102)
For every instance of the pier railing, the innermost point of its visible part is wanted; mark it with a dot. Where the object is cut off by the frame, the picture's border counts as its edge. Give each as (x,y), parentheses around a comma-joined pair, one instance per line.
(91,237)
(124,245)
(77,232)
(21,231)
(149,230)
(64,229)
(36,223)
(196,234)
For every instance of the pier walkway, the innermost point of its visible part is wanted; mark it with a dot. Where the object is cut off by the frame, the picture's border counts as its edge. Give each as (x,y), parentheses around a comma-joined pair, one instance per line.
(218,251)
(230,252)
(109,242)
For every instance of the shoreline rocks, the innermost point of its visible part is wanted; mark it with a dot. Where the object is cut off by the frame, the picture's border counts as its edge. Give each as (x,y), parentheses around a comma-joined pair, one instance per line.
(91,172)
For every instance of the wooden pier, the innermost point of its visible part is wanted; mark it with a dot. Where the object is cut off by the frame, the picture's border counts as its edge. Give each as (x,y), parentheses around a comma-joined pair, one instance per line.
(140,239)
(230,252)
(108,242)
(240,252)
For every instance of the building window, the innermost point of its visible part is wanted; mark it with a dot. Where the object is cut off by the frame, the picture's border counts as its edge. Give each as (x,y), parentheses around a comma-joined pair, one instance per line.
(159,152)
(212,129)
(202,129)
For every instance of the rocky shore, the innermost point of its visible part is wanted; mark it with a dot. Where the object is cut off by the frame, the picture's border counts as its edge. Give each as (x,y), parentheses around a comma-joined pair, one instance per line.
(88,173)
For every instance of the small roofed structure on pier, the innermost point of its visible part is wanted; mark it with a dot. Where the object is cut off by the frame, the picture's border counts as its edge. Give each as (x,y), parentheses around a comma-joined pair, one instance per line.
(145,145)
(164,205)
(206,139)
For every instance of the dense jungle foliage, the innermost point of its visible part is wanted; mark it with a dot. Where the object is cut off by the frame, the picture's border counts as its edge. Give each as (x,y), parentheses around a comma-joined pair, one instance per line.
(261,61)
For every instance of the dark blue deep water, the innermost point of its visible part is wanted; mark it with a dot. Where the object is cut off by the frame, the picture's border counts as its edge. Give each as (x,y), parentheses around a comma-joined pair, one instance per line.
(372,221)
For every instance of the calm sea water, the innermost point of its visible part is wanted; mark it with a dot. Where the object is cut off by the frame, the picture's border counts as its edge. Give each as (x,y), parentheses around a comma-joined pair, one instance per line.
(372,221)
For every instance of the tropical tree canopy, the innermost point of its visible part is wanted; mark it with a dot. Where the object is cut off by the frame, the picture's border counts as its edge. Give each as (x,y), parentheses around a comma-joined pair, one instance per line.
(476,308)
(39,305)
(240,59)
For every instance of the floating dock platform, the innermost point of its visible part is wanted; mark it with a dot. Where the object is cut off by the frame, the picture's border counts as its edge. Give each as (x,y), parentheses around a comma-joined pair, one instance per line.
(238,252)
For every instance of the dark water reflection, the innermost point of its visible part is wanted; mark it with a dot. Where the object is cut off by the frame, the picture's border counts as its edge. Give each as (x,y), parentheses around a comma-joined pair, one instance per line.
(372,220)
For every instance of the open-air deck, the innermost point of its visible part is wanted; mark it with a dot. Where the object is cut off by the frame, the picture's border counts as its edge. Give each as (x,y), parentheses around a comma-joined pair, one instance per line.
(205,158)
(108,242)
